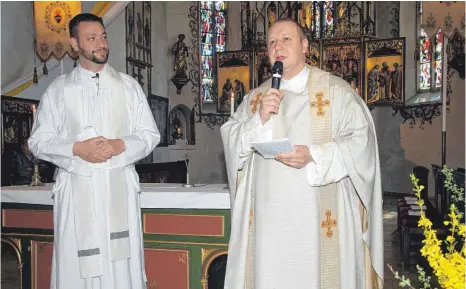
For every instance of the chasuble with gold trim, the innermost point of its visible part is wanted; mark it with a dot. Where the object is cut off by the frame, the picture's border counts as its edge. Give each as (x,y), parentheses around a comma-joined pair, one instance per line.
(303,228)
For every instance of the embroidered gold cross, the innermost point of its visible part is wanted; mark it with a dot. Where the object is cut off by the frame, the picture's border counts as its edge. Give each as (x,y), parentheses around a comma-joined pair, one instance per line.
(254,102)
(251,217)
(320,103)
(329,223)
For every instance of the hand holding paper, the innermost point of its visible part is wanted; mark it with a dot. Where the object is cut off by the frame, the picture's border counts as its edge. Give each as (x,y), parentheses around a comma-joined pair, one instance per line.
(297,159)
(270,149)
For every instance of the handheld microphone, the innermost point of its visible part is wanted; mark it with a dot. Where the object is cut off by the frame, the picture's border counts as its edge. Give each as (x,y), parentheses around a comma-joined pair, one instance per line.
(277,71)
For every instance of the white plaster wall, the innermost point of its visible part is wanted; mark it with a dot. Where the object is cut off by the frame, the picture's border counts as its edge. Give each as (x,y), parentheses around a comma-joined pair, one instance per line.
(17,50)
(408,30)
(234,26)
(401,146)
(207,163)
(17,46)
(159,44)
(424,146)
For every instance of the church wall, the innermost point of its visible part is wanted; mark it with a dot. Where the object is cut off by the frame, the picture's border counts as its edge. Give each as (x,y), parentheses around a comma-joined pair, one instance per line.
(18,54)
(234,26)
(13,63)
(206,156)
(423,146)
(401,147)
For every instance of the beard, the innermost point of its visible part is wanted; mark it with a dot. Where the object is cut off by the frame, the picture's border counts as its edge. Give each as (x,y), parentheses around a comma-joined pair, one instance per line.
(93,57)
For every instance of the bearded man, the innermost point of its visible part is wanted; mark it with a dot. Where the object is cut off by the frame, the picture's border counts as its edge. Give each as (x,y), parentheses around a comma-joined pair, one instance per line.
(94,123)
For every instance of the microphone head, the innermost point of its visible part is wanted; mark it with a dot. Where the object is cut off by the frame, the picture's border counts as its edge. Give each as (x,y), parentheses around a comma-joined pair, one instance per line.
(277,67)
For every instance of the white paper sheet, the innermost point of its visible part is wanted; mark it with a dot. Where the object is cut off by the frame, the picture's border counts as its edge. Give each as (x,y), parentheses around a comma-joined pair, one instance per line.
(270,149)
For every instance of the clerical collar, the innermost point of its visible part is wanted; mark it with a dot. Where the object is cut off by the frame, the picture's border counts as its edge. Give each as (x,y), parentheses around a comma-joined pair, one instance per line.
(298,83)
(90,75)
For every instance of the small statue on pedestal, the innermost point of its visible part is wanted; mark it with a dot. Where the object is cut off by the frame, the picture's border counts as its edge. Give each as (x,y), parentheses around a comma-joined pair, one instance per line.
(180,50)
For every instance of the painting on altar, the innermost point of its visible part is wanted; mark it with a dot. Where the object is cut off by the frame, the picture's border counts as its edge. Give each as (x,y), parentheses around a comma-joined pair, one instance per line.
(159,107)
(233,79)
(384,71)
(262,68)
(313,57)
(344,60)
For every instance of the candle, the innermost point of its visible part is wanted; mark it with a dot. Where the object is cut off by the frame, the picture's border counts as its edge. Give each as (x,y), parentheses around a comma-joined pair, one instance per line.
(33,113)
(187,178)
(232,105)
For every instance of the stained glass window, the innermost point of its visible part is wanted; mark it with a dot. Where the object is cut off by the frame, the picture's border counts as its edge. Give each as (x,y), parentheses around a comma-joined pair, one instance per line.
(430,57)
(328,21)
(425,58)
(438,58)
(318,18)
(213,39)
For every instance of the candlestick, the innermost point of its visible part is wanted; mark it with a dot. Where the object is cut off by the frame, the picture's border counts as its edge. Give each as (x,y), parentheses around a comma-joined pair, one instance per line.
(35,180)
(187,185)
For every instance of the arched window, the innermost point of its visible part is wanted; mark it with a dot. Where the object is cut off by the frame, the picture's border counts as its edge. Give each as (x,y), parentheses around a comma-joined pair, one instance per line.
(213,39)
(430,57)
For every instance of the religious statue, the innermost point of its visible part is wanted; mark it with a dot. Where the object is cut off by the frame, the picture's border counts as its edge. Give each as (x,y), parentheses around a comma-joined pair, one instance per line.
(227,91)
(130,25)
(180,50)
(265,74)
(341,11)
(396,83)
(147,33)
(11,130)
(129,40)
(239,92)
(139,27)
(372,79)
(305,15)
(272,13)
(177,130)
(384,75)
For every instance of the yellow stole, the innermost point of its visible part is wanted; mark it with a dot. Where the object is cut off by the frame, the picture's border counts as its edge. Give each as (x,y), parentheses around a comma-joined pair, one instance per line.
(321,132)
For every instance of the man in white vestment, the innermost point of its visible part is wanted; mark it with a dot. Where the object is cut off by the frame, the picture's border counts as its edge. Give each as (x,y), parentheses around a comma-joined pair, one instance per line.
(94,123)
(311,218)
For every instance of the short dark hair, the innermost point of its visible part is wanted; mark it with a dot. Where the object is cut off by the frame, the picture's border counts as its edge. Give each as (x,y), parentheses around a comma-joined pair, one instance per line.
(83,17)
(301,33)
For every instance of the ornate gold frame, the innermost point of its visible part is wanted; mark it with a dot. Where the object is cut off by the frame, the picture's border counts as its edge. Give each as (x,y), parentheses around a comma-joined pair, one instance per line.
(207,256)
(16,244)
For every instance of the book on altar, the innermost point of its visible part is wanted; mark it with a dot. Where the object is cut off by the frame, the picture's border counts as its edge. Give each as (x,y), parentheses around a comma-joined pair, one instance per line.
(270,149)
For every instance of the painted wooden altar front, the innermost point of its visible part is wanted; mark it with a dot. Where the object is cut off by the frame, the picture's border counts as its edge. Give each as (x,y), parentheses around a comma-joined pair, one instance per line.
(186,230)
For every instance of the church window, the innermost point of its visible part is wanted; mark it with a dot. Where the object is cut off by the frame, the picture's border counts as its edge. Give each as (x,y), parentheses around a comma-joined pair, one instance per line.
(318,17)
(328,23)
(213,39)
(430,57)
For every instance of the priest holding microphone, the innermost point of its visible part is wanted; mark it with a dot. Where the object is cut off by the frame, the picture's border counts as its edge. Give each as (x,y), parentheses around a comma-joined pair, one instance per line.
(311,218)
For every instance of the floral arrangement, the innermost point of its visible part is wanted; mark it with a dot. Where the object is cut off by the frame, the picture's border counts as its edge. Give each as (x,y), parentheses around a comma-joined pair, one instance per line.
(447,265)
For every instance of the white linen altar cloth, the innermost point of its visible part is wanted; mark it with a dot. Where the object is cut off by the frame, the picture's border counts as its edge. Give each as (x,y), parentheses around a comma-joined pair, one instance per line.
(153,196)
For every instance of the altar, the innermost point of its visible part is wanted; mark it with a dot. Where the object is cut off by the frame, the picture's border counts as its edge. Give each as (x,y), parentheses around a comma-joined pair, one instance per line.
(186,231)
